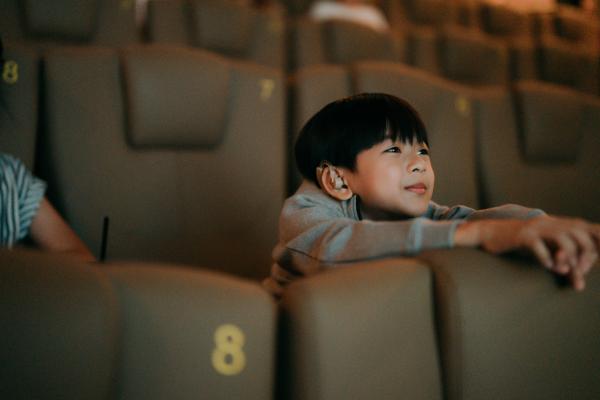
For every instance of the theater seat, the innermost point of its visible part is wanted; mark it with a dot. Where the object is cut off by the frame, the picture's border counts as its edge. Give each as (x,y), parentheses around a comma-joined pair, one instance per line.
(84,22)
(538,147)
(192,334)
(223,26)
(341,42)
(509,330)
(19,113)
(364,332)
(183,150)
(59,329)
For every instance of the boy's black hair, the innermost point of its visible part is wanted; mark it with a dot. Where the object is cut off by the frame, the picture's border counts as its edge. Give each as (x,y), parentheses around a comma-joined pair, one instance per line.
(344,128)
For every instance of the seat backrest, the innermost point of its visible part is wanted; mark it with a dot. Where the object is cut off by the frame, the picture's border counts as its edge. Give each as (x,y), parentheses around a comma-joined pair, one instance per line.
(503,21)
(19,115)
(573,65)
(59,329)
(192,334)
(538,147)
(100,22)
(188,165)
(342,42)
(223,26)
(460,47)
(363,332)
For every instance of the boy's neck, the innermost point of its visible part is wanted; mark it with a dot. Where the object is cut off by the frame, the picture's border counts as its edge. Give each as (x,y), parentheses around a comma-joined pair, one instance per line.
(365,213)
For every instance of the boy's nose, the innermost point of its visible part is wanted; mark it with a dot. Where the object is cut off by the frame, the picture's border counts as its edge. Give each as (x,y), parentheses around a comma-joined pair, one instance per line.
(416,165)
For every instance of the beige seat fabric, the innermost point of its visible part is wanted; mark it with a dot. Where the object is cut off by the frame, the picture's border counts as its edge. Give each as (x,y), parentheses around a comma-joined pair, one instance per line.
(59,331)
(569,64)
(192,334)
(341,42)
(189,166)
(362,332)
(542,150)
(472,58)
(105,22)
(19,114)
(508,330)
(223,26)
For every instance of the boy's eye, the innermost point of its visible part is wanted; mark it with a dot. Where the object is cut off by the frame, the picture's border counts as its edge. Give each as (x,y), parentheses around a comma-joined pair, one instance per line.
(424,152)
(394,149)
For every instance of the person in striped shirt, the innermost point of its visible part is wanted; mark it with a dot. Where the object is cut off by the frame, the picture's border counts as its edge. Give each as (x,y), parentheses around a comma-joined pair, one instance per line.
(25,212)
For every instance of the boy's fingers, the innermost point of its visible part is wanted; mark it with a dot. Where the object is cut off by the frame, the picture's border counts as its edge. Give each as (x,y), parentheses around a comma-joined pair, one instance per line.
(567,249)
(542,253)
(587,251)
(561,262)
(577,280)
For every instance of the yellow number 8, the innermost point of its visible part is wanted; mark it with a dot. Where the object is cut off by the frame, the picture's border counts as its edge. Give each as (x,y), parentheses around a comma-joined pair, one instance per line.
(228,357)
(10,73)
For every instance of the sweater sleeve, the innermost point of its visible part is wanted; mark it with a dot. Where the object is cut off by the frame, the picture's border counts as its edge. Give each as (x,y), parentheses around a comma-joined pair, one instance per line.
(319,230)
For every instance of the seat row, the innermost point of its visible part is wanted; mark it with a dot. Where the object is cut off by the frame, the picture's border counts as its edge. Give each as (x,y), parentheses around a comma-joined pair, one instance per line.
(437,36)
(188,153)
(457,324)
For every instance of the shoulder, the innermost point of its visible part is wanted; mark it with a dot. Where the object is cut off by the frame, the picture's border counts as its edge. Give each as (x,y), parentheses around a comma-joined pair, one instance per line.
(310,197)
(11,166)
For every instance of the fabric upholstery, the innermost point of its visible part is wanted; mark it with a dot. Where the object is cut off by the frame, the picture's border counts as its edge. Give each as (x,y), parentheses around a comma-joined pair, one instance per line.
(69,18)
(361,332)
(459,48)
(59,328)
(342,42)
(43,23)
(225,27)
(509,330)
(176,97)
(556,186)
(196,206)
(551,122)
(192,334)
(19,114)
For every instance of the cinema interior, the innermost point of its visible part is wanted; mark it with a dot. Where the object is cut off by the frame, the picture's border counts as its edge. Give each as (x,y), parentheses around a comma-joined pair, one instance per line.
(164,132)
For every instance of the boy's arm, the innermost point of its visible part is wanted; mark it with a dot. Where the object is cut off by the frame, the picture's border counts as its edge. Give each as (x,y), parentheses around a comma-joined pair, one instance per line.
(563,245)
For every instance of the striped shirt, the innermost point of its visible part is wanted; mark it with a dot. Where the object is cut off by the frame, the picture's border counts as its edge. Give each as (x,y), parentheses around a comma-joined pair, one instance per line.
(20,196)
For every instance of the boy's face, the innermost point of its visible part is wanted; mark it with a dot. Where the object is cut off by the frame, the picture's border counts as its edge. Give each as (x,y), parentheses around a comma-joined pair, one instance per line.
(393,179)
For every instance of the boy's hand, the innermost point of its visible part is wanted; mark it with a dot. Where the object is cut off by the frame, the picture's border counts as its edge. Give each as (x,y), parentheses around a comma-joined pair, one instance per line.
(564,245)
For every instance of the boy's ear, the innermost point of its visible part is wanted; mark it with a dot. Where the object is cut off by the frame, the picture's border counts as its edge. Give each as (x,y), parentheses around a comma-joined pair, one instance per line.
(333,183)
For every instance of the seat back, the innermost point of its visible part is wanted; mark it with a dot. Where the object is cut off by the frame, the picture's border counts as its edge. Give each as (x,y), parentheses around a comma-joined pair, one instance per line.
(341,42)
(192,334)
(101,22)
(188,165)
(538,147)
(459,47)
(345,333)
(59,329)
(225,27)
(19,114)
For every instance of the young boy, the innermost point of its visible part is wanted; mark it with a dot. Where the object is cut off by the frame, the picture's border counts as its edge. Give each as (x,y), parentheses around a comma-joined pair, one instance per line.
(367,194)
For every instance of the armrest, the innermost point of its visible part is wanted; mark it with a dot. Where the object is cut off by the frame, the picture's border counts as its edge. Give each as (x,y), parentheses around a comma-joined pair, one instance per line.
(508,330)
(360,332)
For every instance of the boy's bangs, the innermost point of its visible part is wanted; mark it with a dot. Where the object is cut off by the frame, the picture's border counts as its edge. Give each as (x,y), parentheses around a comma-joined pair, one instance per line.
(406,127)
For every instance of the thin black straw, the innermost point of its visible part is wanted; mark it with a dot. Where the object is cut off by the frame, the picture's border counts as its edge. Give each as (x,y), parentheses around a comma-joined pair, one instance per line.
(104,240)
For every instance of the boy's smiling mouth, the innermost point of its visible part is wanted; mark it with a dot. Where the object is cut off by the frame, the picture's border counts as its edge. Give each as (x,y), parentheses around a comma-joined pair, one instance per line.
(418,188)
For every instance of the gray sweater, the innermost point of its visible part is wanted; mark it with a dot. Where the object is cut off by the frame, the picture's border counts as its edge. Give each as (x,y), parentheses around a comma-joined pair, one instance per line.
(318,232)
